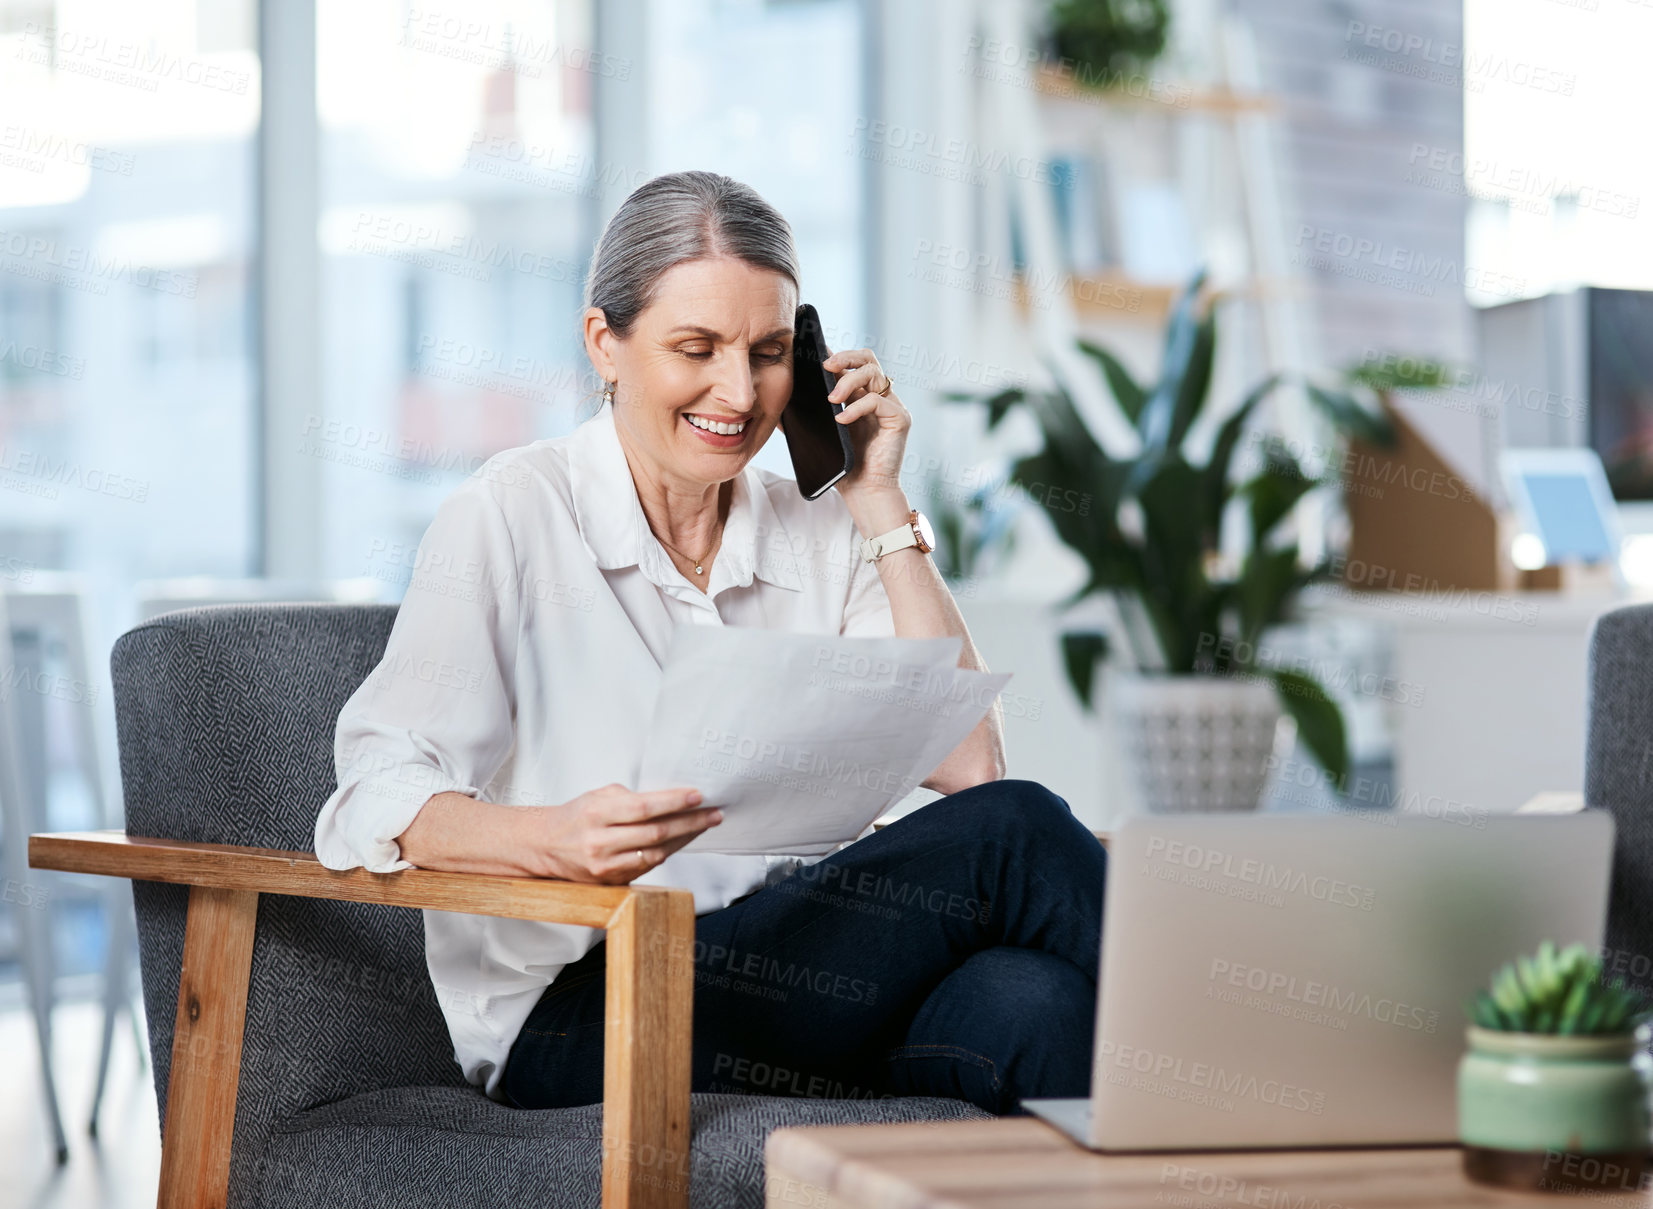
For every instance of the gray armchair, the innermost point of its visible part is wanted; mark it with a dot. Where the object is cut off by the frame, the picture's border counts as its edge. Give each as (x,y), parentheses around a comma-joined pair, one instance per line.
(300,1058)
(1618,777)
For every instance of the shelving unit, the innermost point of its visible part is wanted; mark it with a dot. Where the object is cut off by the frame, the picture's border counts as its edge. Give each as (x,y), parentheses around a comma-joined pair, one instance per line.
(1118,297)
(1177,172)
(1180,97)
(1209,143)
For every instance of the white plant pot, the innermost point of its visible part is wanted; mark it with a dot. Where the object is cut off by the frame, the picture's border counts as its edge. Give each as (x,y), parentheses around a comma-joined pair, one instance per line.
(1194,743)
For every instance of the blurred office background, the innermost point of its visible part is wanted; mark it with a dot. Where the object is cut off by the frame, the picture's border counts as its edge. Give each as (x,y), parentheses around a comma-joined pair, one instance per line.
(275,278)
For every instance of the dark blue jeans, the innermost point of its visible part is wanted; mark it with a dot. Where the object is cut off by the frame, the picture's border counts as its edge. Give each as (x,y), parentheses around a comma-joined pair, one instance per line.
(952,953)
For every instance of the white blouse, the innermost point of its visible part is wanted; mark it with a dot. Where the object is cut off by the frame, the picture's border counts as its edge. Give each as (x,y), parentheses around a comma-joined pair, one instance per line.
(523,667)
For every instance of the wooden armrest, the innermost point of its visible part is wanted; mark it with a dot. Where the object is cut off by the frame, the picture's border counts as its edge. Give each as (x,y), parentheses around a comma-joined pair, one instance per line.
(1552,802)
(648,1011)
(274,871)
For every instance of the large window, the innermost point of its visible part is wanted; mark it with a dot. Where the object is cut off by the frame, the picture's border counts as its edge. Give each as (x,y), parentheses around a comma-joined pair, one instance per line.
(127,137)
(1559,195)
(458,188)
(127,133)
(462,188)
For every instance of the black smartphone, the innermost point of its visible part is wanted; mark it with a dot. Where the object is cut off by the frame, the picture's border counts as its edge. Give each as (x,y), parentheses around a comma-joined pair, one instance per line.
(822,452)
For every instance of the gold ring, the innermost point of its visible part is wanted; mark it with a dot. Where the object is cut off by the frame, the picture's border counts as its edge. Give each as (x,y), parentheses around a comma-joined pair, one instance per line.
(889,385)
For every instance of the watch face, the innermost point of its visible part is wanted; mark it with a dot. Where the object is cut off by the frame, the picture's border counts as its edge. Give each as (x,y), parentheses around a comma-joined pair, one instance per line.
(926,534)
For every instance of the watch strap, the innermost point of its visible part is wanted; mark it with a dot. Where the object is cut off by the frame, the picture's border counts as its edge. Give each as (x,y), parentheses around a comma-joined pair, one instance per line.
(899,538)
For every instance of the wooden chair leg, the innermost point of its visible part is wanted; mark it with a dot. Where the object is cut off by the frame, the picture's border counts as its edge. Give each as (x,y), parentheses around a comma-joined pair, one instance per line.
(646,1053)
(206,1048)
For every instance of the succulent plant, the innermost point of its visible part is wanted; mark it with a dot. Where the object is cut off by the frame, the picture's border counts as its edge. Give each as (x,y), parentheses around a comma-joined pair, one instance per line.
(1558,992)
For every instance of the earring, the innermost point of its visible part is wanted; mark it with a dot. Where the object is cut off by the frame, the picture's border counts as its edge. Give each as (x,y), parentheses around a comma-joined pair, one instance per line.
(608,393)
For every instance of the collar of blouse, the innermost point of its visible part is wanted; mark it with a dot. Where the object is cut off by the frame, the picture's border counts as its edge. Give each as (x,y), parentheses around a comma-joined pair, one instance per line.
(617,534)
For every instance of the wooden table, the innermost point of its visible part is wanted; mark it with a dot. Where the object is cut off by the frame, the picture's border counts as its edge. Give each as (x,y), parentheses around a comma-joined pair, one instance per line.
(1017,1162)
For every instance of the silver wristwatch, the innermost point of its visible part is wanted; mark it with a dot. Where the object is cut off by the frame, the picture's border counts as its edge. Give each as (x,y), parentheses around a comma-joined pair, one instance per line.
(916,532)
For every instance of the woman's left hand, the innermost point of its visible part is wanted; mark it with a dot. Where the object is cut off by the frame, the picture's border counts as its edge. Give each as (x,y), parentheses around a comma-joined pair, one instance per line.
(878,423)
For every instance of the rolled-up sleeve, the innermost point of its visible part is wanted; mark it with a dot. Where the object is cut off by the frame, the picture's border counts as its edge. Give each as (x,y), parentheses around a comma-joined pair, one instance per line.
(437,713)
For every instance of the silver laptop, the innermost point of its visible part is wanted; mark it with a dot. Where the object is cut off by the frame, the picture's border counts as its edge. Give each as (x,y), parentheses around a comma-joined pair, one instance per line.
(1292,980)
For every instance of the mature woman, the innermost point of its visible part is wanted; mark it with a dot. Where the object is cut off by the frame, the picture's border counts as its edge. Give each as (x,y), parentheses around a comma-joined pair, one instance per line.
(951,953)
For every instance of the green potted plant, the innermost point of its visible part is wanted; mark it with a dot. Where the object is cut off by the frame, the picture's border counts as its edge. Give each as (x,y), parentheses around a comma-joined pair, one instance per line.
(1107,41)
(1198,717)
(1553,1093)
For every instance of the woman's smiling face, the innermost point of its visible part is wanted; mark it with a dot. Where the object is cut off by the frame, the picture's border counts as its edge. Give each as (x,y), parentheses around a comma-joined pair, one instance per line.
(706,369)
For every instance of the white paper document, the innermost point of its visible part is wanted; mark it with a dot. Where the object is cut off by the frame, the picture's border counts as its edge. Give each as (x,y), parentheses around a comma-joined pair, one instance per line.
(804,739)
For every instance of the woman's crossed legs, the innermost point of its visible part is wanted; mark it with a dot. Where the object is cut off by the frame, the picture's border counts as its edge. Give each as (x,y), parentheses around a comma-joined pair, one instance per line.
(952,953)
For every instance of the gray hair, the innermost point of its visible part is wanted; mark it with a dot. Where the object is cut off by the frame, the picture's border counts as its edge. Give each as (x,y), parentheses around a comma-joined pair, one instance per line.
(673,219)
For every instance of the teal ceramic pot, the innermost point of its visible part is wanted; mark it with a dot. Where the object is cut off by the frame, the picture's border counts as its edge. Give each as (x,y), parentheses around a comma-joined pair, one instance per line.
(1555,1112)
